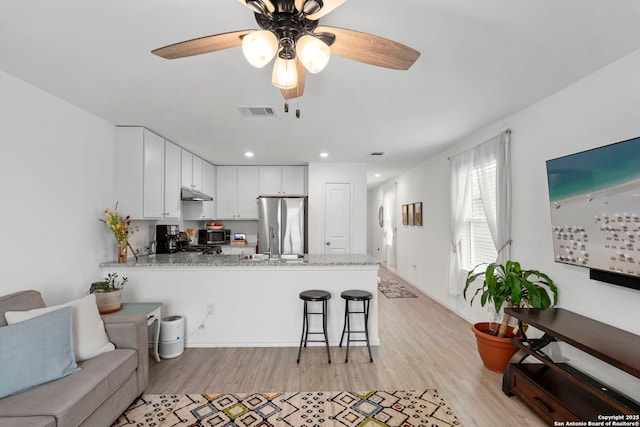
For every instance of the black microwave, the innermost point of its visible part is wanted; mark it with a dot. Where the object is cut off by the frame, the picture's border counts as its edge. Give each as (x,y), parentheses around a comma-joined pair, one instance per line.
(214,237)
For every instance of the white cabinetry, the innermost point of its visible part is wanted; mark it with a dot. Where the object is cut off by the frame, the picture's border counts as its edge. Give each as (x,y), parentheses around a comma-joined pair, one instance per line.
(143,189)
(172,203)
(237,190)
(203,210)
(209,187)
(282,180)
(192,171)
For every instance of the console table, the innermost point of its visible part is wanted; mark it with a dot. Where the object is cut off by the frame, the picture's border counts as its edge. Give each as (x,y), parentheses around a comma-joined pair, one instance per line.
(559,392)
(152,311)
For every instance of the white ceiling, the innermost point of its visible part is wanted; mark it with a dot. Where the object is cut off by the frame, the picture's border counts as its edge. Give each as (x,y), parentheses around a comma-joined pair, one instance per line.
(481,60)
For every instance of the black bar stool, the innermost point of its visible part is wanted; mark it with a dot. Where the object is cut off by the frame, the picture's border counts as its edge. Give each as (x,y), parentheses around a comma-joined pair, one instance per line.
(353,296)
(314,296)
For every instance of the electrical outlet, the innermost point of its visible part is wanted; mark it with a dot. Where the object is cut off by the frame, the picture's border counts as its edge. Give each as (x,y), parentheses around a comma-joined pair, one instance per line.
(211,308)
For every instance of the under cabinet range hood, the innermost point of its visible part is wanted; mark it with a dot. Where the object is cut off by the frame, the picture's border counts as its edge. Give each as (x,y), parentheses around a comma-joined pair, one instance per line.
(190,194)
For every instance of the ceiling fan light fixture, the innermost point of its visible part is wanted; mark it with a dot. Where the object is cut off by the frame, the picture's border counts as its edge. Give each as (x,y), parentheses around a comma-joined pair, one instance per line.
(259,47)
(285,75)
(257,6)
(313,53)
(312,6)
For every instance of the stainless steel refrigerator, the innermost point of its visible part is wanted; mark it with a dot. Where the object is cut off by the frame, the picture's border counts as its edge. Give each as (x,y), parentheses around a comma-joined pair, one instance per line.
(282,225)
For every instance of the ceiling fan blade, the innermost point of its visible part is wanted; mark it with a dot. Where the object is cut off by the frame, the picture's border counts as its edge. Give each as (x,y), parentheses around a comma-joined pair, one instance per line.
(370,49)
(202,45)
(298,90)
(329,5)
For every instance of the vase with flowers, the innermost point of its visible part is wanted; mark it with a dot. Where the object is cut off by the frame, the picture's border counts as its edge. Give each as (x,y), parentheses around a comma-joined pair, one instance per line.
(121,228)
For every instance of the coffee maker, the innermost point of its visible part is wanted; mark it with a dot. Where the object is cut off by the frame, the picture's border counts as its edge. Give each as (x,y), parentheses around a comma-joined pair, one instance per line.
(167,237)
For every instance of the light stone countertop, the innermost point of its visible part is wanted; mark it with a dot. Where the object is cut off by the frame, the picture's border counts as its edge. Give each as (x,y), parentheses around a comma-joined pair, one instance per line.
(198,260)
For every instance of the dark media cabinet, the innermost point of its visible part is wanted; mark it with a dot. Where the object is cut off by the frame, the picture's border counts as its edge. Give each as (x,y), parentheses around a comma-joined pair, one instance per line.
(557,391)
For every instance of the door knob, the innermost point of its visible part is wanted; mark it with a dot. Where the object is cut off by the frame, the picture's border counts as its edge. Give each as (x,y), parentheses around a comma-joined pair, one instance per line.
(328,243)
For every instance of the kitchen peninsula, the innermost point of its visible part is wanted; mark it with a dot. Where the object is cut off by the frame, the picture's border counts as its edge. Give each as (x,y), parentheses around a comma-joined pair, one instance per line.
(255,302)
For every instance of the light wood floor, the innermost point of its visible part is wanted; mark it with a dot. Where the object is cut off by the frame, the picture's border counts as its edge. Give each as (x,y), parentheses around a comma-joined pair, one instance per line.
(423,345)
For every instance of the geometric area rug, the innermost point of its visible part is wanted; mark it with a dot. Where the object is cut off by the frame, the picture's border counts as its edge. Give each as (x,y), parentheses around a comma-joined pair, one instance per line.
(410,408)
(393,289)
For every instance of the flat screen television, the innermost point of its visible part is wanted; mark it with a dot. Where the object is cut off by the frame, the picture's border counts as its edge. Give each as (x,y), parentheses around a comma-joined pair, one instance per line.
(594,198)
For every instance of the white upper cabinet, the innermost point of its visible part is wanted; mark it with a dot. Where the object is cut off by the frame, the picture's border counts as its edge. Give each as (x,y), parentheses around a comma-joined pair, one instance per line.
(203,210)
(226,190)
(172,203)
(153,176)
(282,180)
(247,192)
(187,169)
(237,190)
(192,171)
(196,180)
(146,176)
(269,178)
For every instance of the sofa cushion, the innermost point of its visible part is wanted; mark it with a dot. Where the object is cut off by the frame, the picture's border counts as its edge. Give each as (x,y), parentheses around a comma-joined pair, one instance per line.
(19,301)
(90,338)
(36,351)
(28,421)
(75,397)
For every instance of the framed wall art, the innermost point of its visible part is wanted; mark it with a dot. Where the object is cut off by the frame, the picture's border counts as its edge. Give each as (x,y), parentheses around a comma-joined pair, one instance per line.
(417,212)
(410,216)
(405,214)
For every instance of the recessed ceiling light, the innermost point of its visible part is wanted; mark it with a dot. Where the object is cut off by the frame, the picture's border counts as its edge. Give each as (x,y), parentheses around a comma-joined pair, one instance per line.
(324,154)
(377,175)
(248,154)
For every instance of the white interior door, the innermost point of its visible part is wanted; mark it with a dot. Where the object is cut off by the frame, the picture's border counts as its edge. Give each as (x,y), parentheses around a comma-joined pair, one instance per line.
(337,218)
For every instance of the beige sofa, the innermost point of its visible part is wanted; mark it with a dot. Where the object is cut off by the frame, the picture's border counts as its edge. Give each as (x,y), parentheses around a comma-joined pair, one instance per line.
(93,396)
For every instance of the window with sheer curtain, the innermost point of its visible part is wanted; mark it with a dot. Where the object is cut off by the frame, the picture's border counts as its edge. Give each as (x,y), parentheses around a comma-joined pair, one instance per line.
(476,243)
(480,208)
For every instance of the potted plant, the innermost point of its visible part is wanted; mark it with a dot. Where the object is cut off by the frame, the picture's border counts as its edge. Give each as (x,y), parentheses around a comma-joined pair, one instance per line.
(506,285)
(108,293)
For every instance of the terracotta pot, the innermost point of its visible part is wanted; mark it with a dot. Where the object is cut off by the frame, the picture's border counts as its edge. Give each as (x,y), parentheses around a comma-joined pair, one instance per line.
(495,352)
(109,302)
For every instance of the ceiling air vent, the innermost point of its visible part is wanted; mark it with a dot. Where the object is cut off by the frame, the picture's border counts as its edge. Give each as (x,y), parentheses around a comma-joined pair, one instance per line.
(257,111)
(378,153)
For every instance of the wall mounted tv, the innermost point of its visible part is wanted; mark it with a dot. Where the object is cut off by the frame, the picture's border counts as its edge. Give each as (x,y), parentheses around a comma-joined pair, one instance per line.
(595,211)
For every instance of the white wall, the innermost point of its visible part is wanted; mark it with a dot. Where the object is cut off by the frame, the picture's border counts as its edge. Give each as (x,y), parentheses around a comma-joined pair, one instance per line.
(598,110)
(56,174)
(321,173)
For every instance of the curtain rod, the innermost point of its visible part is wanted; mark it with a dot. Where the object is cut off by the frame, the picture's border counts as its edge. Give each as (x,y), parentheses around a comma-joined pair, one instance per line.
(507,131)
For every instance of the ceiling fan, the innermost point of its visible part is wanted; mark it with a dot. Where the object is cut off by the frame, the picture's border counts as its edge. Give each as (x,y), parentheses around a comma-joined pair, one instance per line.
(289,28)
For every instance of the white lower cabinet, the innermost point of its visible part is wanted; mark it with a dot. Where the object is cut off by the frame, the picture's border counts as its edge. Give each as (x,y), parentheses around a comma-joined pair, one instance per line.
(147,174)
(237,191)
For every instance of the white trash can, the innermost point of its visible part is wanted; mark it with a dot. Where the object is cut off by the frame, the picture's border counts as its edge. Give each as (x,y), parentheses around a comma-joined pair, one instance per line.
(171,337)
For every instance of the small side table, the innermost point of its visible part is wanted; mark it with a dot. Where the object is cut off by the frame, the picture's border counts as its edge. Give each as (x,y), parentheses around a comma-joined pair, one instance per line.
(152,310)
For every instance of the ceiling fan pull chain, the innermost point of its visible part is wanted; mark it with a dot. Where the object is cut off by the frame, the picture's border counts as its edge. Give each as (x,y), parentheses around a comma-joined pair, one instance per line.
(286,107)
(298,107)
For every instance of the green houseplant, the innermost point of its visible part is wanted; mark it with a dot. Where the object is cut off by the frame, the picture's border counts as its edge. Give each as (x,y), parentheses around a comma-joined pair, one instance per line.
(108,293)
(506,285)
